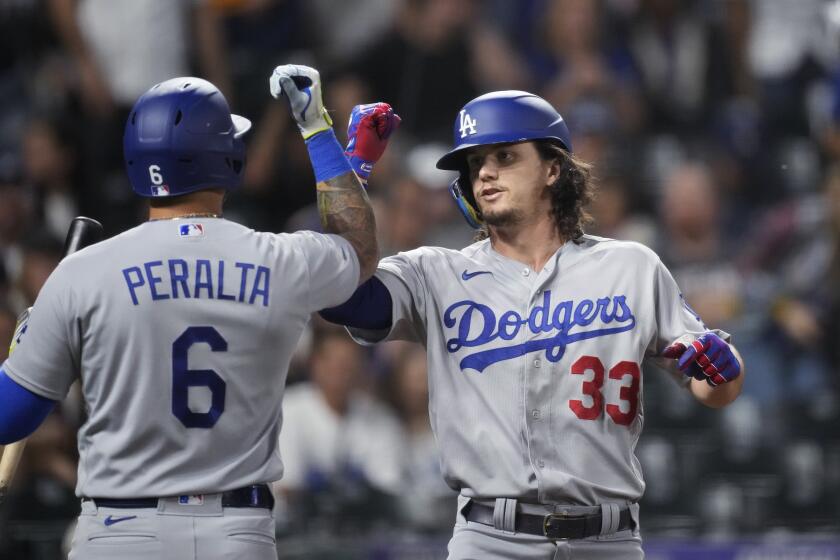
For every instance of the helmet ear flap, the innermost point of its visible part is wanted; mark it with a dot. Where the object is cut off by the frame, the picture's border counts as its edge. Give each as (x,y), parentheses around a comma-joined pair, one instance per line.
(465,201)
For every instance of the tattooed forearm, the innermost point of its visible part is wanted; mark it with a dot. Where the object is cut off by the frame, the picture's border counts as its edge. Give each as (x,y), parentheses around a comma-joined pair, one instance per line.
(345,210)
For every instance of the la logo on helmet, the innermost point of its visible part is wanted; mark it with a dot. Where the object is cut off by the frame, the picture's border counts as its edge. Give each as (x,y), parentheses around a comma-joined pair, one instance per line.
(467,124)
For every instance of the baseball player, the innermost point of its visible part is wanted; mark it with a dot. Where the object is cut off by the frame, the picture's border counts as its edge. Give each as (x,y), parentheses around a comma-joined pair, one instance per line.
(181,331)
(536,338)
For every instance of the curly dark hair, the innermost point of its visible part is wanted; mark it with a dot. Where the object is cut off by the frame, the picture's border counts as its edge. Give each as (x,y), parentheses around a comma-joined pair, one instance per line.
(570,194)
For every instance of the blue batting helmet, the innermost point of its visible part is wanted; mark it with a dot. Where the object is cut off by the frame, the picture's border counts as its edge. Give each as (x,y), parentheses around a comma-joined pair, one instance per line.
(499,117)
(181,137)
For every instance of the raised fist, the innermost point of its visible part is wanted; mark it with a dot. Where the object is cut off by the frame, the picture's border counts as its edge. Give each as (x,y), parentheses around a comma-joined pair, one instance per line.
(708,358)
(367,133)
(302,86)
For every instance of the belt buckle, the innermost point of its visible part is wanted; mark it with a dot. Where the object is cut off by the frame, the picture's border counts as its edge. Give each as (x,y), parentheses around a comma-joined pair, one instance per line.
(552,531)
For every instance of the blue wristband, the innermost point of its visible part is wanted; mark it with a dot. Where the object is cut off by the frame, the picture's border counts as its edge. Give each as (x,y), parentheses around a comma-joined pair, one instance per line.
(327,156)
(362,167)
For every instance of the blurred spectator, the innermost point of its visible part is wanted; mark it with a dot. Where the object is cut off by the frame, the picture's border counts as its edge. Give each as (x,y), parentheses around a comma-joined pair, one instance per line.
(406,217)
(446,226)
(50,168)
(41,254)
(812,272)
(425,501)
(596,132)
(614,210)
(577,68)
(351,26)
(739,154)
(804,490)
(120,49)
(41,502)
(658,457)
(431,64)
(800,242)
(693,245)
(789,48)
(24,35)
(342,450)
(743,447)
(698,251)
(809,463)
(16,217)
(722,507)
(259,35)
(667,500)
(742,453)
(683,64)
(26,42)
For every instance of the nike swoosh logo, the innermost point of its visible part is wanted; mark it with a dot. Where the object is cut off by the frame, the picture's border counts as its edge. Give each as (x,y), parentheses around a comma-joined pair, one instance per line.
(467,275)
(110,520)
(308,92)
(22,332)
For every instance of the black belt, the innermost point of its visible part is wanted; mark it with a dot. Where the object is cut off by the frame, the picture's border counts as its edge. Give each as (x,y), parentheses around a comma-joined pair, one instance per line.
(256,496)
(552,525)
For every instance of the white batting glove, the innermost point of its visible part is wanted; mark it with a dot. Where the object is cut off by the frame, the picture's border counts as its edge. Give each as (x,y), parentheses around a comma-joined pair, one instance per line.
(302,85)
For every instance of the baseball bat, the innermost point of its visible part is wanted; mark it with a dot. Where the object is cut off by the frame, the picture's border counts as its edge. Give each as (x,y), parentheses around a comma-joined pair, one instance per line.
(82,232)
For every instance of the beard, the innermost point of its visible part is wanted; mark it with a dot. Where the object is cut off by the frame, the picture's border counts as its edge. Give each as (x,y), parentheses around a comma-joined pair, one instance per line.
(502,218)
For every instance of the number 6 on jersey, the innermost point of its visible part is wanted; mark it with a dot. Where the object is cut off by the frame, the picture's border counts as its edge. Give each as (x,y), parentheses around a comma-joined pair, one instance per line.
(183,378)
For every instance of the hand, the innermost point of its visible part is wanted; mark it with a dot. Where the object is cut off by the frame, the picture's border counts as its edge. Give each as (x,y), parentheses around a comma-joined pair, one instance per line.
(709,357)
(302,85)
(370,127)
(799,322)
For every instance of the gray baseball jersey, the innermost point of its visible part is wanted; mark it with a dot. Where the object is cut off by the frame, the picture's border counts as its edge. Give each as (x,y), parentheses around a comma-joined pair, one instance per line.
(181,332)
(535,381)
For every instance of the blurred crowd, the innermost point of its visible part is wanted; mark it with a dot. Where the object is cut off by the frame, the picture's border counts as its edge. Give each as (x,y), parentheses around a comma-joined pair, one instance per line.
(714,129)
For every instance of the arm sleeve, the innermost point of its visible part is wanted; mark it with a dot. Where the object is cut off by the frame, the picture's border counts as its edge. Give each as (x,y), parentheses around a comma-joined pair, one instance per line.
(407,290)
(370,307)
(332,266)
(47,351)
(675,320)
(21,410)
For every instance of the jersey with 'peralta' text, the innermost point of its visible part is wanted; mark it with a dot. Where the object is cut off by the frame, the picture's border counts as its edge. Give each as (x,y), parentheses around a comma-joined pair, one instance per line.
(181,332)
(535,378)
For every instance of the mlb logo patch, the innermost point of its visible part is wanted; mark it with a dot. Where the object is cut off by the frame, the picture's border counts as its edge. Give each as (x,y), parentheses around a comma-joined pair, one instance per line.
(193,500)
(191,230)
(160,190)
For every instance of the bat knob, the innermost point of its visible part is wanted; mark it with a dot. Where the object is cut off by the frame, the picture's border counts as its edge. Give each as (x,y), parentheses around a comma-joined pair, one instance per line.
(83,232)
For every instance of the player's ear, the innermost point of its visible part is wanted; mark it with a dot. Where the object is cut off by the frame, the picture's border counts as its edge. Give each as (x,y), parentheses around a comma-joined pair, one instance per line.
(553,171)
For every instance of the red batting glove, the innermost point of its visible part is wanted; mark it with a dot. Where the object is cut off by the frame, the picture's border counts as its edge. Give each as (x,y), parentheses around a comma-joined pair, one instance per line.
(368,131)
(709,357)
